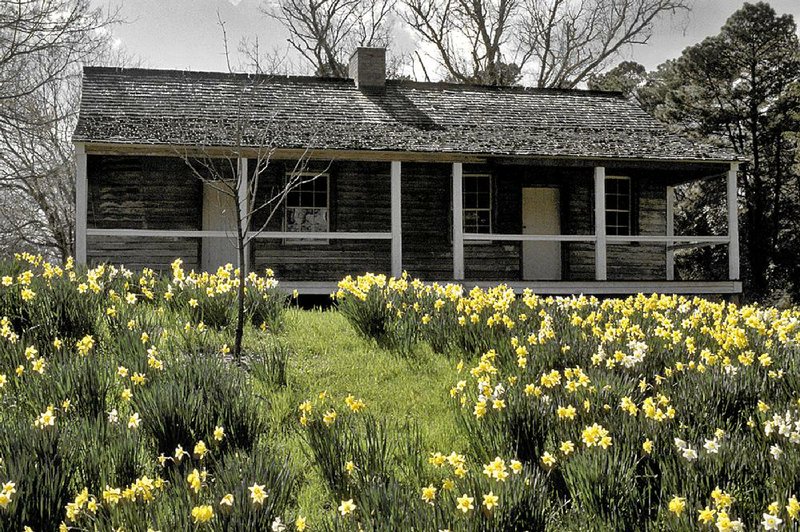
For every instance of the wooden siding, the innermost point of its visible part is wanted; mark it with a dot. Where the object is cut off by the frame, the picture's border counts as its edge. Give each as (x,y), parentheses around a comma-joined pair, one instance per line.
(136,253)
(142,193)
(625,261)
(359,202)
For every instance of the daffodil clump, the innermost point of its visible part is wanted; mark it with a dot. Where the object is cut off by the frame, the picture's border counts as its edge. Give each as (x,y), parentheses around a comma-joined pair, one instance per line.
(210,297)
(120,411)
(636,410)
(374,468)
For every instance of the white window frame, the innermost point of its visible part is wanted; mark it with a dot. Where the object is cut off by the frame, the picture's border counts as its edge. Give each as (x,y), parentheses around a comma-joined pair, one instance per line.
(286,208)
(629,210)
(490,209)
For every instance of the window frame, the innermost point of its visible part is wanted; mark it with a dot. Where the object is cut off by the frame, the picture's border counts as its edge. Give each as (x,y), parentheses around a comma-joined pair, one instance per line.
(287,208)
(629,210)
(490,209)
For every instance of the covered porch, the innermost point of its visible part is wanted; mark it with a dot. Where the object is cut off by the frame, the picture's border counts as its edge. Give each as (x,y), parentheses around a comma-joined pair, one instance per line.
(553,226)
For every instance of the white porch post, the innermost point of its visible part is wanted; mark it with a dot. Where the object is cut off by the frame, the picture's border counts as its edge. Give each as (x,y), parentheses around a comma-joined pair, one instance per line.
(670,232)
(81,204)
(244,207)
(397,222)
(733,224)
(600,223)
(458,222)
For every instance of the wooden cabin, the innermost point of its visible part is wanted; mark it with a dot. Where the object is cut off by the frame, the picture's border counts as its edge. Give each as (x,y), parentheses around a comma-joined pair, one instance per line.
(563,191)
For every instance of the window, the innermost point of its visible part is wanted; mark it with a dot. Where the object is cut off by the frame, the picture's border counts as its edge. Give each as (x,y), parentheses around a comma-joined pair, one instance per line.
(307,207)
(618,205)
(477,198)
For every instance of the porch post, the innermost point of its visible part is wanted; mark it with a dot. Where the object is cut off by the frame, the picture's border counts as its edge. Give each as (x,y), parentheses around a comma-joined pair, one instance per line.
(81,204)
(733,224)
(670,232)
(600,223)
(244,207)
(458,222)
(397,222)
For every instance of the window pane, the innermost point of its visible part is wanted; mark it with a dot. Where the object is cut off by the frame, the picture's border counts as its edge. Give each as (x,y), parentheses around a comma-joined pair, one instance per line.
(306,198)
(469,184)
(625,201)
(484,201)
(612,201)
(321,198)
(623,220)
(483,219)
(307,220)
(470,200)
(293,199)
(470,218)
(321,183)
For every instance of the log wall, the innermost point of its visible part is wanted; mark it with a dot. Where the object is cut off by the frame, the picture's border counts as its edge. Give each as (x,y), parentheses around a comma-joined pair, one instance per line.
(628,261)
(359,202)
(142,193)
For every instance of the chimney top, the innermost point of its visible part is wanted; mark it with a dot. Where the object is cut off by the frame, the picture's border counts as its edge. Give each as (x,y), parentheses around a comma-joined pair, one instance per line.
(368,67)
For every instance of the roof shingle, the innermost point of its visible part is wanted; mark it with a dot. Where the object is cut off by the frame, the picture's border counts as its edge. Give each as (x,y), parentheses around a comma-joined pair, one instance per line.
(163,107)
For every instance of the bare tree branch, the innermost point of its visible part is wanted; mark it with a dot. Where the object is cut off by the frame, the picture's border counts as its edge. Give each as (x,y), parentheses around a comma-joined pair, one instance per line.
(560,43)
(326,32)
(42,46)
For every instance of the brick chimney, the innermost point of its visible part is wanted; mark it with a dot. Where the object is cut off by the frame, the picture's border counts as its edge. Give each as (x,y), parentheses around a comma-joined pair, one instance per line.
(368,67)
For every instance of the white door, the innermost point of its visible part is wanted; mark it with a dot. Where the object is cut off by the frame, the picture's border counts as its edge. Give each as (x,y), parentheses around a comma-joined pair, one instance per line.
(541,216)
(219,214)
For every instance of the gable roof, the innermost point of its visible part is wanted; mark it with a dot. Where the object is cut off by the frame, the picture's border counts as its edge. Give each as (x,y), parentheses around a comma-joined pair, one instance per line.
(165,107)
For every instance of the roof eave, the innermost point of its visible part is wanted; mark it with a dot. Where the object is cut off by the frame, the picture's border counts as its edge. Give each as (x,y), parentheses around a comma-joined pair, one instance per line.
(119,148)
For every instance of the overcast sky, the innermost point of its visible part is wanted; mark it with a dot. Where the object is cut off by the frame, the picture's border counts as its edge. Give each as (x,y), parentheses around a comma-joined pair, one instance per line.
(185,34)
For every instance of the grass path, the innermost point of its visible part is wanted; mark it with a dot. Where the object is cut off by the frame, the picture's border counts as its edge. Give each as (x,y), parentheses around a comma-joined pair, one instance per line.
(328,355)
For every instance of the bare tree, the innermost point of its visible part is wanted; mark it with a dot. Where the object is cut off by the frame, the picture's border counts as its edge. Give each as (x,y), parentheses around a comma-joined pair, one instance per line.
(471,38)
(571,40)
(258,61)
(251,136)
(42,46)
(42,40)
(37,186)
(253,211)
(325,32)
(559,42)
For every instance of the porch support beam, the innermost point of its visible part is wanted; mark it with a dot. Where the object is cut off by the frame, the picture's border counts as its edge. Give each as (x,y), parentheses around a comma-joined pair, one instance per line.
(600,223)
(733,223)
(81,204)
(397,221)
(670,232)
(244,207)
(458,222)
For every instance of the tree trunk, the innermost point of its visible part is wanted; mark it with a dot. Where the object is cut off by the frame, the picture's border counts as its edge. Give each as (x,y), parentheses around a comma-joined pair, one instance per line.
(240,247)
(237,346)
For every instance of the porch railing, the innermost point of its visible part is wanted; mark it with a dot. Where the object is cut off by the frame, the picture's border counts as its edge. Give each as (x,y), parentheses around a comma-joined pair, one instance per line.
(600,238)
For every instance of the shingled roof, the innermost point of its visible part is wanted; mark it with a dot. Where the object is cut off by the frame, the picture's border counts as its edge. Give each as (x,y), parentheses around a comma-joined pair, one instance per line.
(164,107)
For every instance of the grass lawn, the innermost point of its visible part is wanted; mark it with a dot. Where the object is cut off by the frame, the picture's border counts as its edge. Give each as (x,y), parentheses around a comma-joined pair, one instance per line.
(328,355)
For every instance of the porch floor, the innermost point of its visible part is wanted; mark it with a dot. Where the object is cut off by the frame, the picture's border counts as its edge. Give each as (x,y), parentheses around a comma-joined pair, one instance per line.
(621,288)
